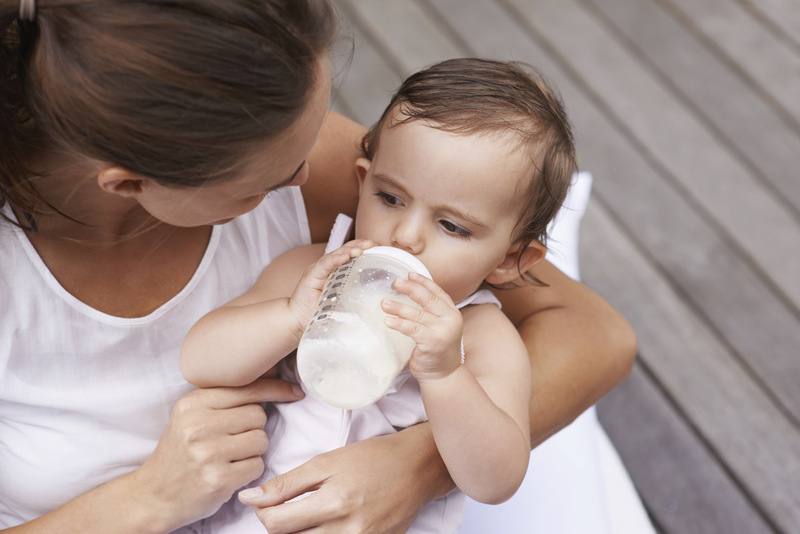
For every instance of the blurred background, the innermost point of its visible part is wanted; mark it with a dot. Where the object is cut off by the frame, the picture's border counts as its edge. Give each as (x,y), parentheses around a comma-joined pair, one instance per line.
(687,114)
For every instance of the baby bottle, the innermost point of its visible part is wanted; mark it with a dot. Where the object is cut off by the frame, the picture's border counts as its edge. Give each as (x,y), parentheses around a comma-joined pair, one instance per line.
(347,356)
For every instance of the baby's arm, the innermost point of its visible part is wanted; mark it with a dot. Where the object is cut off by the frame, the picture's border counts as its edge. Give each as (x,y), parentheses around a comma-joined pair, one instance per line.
(240,341)
(478,411)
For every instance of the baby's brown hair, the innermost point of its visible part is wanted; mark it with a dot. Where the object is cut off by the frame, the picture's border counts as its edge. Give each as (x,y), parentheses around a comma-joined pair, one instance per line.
(474,96)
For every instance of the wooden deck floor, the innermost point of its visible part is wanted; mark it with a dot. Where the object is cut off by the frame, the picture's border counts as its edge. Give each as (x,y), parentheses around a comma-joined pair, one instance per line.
(687,113)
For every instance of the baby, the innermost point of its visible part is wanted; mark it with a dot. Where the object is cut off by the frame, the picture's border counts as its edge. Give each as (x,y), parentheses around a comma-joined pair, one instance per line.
(465,169)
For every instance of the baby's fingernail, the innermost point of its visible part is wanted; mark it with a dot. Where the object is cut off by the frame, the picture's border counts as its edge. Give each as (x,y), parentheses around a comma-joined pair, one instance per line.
(250,494)
(298,390)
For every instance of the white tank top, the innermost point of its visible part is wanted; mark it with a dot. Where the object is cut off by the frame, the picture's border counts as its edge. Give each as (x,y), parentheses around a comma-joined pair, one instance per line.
(85,396)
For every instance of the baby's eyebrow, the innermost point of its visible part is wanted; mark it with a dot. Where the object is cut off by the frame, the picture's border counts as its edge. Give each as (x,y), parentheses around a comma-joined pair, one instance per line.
(388,180)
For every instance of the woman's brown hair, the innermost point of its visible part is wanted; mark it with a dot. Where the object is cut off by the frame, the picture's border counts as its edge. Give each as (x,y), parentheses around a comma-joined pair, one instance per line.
(473,96)
(179,92)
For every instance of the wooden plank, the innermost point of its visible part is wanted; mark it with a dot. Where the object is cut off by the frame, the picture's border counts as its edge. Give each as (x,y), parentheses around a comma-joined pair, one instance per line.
(505,39)
(680,479)
(388,22)
(744,40)
(684,244)
(366,80)
(641,190)
(699,162)
(613,157)
(782,15)
(736,110)
(753,439)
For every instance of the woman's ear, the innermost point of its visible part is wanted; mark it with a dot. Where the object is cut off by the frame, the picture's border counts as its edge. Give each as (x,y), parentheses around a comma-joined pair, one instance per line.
(362,166)
(119,181)
(517,261)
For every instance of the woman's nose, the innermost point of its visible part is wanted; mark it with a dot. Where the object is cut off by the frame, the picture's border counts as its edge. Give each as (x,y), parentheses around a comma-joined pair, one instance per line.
(300,175)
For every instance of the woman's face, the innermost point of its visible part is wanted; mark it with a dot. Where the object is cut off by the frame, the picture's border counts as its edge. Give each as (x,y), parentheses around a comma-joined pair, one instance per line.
(281,162)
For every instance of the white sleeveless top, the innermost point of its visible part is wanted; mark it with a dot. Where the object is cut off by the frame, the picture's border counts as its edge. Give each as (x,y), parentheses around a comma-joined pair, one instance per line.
(85,396)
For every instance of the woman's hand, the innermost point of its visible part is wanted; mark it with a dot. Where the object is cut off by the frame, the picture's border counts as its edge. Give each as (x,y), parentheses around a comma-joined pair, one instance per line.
(376,485)
(211,447)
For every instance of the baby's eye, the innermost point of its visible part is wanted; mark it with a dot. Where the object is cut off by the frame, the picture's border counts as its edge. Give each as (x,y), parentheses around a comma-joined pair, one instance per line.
(388,198)
(454,229)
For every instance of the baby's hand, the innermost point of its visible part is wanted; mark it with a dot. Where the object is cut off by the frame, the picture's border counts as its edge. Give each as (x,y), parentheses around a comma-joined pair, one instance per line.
(306,295)
(436,328)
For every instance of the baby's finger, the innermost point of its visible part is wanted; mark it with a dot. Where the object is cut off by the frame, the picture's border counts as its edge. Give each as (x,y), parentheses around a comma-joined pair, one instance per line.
(322,268)
(404,311)
(426,294)
(355,247)
(431,286)
(327,263)
(408,327)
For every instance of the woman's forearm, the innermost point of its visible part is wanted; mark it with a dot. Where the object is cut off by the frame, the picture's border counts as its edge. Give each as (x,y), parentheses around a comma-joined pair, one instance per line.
(119,506)
(422,458)
(579,346)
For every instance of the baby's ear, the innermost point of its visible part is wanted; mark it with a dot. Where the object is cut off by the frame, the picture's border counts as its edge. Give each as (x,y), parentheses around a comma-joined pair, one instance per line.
(362,166)
(517,261)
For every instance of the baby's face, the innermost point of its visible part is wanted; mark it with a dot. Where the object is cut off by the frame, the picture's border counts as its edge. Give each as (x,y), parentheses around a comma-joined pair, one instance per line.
(452,200)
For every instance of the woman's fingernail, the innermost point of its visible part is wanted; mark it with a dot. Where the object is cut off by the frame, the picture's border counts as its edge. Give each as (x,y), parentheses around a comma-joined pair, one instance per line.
(298,390)
(250,494)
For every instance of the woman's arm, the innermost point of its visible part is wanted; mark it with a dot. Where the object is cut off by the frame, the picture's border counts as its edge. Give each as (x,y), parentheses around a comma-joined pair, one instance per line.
(579,346)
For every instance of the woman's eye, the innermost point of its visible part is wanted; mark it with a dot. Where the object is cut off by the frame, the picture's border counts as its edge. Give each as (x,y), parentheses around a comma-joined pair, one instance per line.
(387,198)
(454,229)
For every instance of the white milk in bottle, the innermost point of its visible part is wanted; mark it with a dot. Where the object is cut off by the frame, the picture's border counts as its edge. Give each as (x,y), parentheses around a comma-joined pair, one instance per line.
(347,356)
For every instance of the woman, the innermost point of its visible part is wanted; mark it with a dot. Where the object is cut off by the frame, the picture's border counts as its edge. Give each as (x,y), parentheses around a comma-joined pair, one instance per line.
(138,141)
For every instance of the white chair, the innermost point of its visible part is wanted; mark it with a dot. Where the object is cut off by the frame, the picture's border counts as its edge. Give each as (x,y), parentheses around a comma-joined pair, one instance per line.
(576,483)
